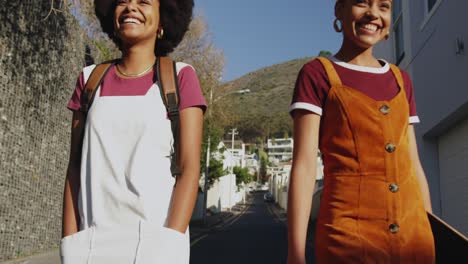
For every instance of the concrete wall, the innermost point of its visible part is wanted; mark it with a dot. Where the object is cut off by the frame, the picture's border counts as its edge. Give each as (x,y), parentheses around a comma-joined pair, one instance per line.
(198,210)
(439,80)
(42,50)
(40,59)
(222,194)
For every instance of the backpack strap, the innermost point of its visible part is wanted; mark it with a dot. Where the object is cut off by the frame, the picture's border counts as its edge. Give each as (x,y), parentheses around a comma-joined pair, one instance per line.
(93,82)
(169,88)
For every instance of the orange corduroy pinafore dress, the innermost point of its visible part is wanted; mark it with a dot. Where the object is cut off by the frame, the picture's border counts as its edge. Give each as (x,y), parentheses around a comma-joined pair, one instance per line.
(372,209)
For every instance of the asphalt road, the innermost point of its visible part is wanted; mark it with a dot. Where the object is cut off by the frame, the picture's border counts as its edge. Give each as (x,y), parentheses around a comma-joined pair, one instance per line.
(257,236)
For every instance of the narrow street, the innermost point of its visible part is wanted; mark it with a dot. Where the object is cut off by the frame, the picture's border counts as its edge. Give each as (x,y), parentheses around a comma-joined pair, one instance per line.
(259,235)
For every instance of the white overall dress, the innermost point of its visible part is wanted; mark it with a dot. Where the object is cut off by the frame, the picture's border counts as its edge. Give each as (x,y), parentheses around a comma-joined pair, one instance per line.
(126,185)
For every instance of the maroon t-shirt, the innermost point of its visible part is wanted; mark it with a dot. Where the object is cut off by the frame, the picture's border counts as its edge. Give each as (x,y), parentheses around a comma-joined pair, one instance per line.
(114,85)
(312,85)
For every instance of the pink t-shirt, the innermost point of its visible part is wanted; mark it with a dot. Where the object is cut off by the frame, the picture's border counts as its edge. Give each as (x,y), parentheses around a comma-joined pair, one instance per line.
(114,85)
(312,85)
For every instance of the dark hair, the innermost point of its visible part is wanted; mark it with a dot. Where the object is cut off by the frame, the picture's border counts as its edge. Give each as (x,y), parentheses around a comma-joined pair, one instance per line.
(174,15)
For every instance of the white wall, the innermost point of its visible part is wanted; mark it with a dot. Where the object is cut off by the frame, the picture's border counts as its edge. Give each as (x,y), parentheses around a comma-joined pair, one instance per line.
(453,160)
(439,79)
(222,194)
(198,210)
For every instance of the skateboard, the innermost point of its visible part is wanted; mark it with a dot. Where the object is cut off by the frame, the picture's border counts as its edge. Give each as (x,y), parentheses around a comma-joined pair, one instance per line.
(451,246)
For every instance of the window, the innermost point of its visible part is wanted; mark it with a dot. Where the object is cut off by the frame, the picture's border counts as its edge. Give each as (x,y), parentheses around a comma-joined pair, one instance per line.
(398,31)
(430,5)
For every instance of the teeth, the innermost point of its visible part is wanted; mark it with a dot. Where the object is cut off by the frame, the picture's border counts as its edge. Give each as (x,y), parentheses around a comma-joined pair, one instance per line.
(370,27)
(132,20)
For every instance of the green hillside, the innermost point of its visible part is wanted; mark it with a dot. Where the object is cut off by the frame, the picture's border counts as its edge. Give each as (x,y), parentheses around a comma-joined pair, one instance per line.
(261,111)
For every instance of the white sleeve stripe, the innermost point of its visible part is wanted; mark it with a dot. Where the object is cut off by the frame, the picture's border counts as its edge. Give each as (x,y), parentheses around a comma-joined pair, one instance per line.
(414,119)
(306,106)
(181,65)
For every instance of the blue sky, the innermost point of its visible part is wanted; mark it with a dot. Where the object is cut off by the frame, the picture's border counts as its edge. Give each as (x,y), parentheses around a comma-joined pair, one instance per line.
(258,33)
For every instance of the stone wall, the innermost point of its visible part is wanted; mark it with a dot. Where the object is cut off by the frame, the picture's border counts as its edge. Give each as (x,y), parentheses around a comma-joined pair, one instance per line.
(42,50)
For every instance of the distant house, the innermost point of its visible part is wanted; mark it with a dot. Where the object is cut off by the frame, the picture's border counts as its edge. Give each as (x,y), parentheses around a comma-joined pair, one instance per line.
(430,41)
(237,153)
(222,153)
(252,164)
(280,149)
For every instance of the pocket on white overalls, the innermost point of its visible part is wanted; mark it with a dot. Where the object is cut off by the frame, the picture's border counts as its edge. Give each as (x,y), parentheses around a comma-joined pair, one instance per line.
(74,249)
(167,246)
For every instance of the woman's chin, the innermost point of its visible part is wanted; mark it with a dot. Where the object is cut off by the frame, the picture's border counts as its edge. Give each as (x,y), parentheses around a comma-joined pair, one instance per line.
(130,38)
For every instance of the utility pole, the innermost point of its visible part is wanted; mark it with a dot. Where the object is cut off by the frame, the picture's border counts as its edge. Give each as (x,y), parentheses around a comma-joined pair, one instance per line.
(207,166)
(234,133)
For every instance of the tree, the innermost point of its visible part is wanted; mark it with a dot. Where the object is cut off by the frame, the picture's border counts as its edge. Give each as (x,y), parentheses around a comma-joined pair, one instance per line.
(215,171)
(263,164)
(325,53)
(242,175)
(197,49)
(101,47)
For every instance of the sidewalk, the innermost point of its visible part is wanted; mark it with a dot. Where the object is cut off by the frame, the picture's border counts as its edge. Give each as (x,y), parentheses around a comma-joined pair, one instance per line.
(278,212)
(197,229)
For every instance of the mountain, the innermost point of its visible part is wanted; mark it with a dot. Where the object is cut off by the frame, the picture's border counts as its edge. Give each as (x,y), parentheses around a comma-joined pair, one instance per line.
(258,101)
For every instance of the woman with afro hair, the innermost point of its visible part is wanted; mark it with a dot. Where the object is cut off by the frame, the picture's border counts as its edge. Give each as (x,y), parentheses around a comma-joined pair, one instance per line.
(121,204)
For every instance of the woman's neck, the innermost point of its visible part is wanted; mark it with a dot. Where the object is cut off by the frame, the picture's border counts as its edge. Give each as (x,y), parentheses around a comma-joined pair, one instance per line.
(136,59)
(353,54)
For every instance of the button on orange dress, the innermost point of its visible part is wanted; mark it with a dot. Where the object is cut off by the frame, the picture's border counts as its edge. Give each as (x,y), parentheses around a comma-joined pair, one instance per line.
(372,208)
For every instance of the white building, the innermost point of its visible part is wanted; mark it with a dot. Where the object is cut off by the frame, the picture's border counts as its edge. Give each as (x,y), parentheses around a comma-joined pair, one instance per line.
(251,162)
(222,153)
(280,149)
(430,41)
(237,153)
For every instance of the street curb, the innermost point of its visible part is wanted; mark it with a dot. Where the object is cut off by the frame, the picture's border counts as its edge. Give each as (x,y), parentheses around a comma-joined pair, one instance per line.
(275,210)
(48,257)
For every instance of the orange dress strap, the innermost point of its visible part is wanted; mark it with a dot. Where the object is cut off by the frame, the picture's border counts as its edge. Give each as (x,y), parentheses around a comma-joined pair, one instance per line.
(397,73)
(331,72)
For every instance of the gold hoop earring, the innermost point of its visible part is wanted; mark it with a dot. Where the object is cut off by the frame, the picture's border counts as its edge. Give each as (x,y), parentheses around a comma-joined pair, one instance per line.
(160,33)
(338,28)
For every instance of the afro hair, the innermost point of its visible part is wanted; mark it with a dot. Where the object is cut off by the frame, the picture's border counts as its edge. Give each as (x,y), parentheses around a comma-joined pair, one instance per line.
(175,17)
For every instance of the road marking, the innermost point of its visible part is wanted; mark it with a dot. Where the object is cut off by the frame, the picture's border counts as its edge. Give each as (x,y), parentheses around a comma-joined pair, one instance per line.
(237,217)
(222,226)
(198,239)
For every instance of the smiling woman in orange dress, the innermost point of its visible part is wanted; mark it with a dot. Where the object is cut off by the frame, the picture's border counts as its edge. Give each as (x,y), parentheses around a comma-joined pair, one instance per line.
(359,111)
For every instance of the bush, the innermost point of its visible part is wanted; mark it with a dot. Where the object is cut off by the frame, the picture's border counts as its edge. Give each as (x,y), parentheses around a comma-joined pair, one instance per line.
(242,175)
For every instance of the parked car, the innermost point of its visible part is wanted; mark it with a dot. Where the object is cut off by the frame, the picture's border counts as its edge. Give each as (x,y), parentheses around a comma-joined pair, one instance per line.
(268,197)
